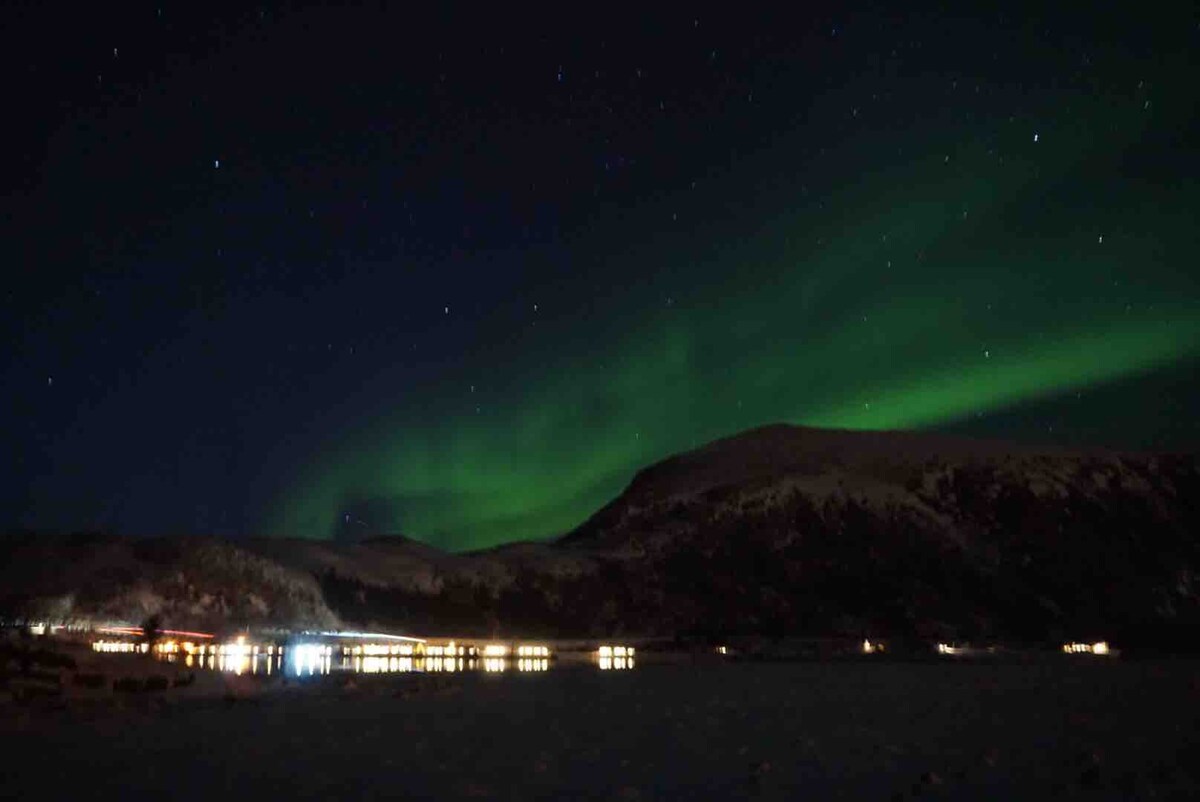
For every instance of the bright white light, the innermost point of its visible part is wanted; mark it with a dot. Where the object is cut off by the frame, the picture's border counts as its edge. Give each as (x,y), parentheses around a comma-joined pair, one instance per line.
(615,651)
(374,665)
(495,650)
(1100,647)
(365,636)
(307,657)
(238,648)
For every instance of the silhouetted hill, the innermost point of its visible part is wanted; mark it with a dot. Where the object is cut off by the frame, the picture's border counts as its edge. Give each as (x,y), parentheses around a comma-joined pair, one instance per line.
(196,580)
(777,531)
(791,529)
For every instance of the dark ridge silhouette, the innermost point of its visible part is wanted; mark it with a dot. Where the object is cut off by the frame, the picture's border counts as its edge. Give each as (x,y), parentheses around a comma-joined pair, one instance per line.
(778,531)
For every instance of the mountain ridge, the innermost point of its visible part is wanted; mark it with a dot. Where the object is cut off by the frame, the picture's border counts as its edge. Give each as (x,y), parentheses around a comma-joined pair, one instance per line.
(777,530)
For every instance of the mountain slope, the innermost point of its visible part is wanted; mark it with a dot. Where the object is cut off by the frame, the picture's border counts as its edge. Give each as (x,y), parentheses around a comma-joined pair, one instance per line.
(776,531)
(787,528)
(199,582)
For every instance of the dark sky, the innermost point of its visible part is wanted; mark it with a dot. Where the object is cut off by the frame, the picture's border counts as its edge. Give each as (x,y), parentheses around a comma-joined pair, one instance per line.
(332,273)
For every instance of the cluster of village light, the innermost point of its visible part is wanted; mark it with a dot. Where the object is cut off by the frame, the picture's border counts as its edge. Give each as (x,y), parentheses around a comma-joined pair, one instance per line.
(379,650)
(449,657)
(615,657)
(404,654)
(119,647)
(236,656)
(379,658)
(1099,648)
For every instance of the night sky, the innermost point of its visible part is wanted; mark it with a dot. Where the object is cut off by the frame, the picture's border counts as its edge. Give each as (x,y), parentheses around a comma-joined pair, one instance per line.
(319,273)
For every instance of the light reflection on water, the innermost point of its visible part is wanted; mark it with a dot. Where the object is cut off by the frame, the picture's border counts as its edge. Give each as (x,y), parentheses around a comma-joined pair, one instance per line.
(615,663)
(309,663)
(237,664)
(313,659)
(615,658)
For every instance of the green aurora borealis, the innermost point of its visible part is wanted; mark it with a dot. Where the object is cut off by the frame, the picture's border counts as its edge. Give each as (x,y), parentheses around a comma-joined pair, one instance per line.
(927,274)
(336,271)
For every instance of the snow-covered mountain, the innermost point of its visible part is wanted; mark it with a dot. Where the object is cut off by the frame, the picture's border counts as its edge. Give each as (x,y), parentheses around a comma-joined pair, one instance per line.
(198,582)
(778,530)
(792,529)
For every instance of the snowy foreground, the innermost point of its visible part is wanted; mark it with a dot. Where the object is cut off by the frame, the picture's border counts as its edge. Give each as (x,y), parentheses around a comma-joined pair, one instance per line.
(857,730)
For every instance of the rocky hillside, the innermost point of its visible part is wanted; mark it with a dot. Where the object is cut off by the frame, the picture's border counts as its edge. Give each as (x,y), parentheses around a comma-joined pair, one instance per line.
(199,582)
(786,530)
(798,530)
(777,531)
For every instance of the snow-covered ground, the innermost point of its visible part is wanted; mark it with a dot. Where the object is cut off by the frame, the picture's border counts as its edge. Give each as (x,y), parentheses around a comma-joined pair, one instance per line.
(1043,730)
